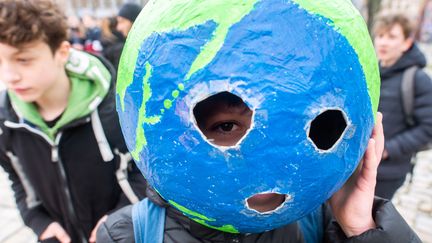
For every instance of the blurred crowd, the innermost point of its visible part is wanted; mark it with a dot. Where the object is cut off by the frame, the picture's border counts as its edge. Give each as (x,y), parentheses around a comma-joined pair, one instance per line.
(103,36)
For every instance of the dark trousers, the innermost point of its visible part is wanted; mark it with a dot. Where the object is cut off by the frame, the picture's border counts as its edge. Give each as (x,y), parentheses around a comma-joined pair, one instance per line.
(387,188)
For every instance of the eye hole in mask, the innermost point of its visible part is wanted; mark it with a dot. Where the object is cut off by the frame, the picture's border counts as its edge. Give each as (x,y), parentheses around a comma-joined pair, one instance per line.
(224,119)
(327,129)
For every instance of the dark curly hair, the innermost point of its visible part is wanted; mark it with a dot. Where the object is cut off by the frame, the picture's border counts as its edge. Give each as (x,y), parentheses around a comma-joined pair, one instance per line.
(26,21)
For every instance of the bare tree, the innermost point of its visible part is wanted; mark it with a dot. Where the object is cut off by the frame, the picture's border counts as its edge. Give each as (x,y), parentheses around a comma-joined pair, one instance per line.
(422,13)
(374,6)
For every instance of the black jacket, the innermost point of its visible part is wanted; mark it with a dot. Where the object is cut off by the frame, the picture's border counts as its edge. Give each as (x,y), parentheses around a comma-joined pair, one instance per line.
(402,141)
(67,181)
(112,52)
(391,228)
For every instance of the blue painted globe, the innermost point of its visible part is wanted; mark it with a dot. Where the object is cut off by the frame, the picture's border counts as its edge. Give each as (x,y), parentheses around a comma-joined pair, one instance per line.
(302,67)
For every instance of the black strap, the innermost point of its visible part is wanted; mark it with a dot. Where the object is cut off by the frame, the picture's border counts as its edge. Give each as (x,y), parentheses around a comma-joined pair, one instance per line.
(408,93)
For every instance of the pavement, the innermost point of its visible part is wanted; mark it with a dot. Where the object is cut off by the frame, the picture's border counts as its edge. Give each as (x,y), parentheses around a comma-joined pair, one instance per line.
(414,199)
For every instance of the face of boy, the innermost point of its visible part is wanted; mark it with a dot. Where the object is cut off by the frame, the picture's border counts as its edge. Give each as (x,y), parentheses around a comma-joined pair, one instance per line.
(391,44)
(32,70)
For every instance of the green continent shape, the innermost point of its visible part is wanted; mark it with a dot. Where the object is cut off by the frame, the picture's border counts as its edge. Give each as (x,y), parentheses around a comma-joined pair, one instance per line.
(160,16)
(141,141)
(202,219)
(348,22)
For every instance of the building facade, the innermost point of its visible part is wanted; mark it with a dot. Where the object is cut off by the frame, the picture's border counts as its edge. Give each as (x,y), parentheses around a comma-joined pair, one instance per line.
(97,8)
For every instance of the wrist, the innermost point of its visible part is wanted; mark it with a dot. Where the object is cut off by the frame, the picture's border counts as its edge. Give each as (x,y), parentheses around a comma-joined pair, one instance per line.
(354,231)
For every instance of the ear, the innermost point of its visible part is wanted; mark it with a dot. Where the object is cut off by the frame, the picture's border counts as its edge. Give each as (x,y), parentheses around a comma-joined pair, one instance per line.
(408,43)
(63,51)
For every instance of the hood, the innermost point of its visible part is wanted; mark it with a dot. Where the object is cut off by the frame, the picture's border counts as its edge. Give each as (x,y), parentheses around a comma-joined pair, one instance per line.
(90,82)
(412,57)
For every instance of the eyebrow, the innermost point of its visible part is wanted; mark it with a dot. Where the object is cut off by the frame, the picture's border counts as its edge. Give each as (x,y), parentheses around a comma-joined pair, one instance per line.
(23,50)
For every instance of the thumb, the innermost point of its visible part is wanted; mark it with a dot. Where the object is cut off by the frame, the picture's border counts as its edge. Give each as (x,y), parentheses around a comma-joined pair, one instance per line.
(367,180)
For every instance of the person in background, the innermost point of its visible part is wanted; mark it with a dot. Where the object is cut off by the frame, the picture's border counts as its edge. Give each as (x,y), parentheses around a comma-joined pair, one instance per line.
(397,53)
(125,18)
(110,36)
(76,33)
(93,35)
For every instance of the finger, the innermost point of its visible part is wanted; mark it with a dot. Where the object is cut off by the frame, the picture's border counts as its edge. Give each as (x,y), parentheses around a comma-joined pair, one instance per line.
(370,164)
(378,135)
(62,236)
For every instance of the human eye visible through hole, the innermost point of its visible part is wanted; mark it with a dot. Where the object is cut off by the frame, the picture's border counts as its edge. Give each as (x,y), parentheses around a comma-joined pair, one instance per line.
(223,118)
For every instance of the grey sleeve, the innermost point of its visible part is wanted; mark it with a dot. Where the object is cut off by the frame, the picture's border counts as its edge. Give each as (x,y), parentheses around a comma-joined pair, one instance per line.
(117,228)
(390,227)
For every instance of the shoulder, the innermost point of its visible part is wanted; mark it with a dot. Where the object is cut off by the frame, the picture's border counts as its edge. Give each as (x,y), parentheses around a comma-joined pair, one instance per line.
(423,86)
(422,79)
(118,227)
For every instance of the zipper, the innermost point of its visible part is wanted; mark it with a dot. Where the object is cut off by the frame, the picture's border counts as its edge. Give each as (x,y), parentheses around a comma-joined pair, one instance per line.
(64,184)
(54,149)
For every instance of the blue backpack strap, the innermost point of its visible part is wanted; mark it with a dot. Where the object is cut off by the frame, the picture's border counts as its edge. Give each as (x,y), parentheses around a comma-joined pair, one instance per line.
(312,226)
(148,222)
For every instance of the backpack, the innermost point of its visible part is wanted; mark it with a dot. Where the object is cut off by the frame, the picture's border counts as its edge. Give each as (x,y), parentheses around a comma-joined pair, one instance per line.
(149,221)
(408,95)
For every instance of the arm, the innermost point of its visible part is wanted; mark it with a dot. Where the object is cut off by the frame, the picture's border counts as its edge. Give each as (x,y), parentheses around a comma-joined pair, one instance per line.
(34,217)
(414,138)
(357,218)
(117,228)
(390,227)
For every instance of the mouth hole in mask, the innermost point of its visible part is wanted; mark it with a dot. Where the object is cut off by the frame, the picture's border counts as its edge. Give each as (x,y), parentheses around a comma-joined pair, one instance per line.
(327,129)
(266,203)
(224,119)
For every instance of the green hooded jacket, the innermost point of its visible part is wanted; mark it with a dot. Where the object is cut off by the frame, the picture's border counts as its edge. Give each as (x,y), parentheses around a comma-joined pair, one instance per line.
(90,82)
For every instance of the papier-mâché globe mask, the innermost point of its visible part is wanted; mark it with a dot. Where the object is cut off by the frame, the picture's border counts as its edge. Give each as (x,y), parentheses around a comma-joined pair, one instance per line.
(305,68)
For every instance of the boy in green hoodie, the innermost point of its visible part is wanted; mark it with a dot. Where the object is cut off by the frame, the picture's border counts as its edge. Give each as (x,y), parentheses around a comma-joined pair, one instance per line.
(60,141)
